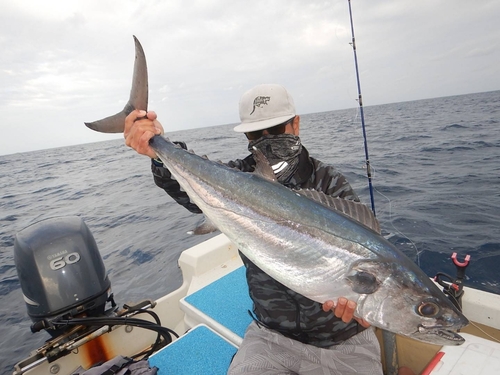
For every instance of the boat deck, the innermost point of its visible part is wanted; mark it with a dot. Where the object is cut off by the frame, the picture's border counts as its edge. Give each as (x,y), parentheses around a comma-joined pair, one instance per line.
(219,313)
(200,351)
(223,305)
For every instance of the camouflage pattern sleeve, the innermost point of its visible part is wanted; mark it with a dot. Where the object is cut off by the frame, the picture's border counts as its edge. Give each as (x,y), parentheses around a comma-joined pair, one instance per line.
(163,179)
(330,181)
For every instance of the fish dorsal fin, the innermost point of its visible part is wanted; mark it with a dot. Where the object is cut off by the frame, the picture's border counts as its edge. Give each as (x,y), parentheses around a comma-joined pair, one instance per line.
(262,166)
(356,210)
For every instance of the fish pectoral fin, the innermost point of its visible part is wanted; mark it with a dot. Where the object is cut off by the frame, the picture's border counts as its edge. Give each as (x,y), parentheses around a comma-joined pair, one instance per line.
(205,227)
(363,282)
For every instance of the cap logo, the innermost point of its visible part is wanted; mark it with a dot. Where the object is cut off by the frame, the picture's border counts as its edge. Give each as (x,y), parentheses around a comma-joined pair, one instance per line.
(260,101)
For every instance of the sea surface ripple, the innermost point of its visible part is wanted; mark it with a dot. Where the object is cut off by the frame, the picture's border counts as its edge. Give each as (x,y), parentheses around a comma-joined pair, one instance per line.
(436,176)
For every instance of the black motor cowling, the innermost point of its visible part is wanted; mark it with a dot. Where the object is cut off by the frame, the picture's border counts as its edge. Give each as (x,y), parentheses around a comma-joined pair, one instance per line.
(60,270)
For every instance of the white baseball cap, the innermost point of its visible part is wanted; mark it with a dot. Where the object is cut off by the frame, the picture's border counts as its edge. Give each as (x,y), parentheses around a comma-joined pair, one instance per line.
(263,107)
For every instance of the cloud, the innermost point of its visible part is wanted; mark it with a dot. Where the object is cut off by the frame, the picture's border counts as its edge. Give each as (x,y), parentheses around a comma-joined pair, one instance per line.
(66,62)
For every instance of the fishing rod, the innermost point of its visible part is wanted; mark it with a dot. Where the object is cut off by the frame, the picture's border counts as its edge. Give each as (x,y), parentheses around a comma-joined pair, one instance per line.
(389,338)
(360,101)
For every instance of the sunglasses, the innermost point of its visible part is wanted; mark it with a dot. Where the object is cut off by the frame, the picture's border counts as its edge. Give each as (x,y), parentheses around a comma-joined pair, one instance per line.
(275,130)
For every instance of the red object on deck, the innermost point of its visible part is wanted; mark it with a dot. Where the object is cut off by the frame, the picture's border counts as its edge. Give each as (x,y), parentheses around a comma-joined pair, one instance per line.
(432,364)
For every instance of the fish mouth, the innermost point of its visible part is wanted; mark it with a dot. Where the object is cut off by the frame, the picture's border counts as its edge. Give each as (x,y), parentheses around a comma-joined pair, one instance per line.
(438,335)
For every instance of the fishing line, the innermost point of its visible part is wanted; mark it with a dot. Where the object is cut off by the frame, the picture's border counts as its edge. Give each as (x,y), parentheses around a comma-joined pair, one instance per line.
(391,221)
(477,326)
(483,331)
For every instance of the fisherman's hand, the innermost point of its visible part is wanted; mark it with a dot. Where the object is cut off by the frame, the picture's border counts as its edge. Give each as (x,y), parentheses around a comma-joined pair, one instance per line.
(140,127)
(344,309)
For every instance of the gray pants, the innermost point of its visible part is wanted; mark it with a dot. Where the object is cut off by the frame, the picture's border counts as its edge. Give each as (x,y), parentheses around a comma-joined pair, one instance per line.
(267,352)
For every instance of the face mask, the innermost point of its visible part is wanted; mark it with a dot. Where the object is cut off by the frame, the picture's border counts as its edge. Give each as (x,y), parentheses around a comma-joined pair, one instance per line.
(282,151)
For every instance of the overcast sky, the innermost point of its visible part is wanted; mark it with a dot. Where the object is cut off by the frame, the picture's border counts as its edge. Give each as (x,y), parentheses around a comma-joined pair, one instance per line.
(65,62)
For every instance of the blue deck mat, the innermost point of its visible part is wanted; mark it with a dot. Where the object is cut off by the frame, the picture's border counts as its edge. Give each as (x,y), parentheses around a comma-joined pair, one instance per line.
(226,301)
(200,351)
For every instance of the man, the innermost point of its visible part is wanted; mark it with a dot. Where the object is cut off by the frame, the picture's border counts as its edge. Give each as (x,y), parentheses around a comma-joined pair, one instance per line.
(291,333)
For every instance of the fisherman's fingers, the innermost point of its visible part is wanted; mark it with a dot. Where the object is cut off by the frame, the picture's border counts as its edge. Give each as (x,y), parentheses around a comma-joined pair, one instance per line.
(139,129)
(131,119)
(138,139)
(142,146)
(345,310)
(158,127)
(329,305)
(151,115)
(362,322)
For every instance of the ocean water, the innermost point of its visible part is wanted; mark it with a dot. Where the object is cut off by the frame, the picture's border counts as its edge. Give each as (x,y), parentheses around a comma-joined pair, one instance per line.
(436,178)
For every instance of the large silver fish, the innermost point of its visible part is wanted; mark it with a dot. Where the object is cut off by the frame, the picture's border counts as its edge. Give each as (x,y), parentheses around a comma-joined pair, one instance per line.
(315,250)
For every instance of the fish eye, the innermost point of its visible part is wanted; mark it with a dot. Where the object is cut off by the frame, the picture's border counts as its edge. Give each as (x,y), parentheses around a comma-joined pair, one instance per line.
(428,309)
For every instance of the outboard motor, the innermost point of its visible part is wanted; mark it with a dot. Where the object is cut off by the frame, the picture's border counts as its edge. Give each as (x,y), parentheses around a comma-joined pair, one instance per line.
(61,272)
